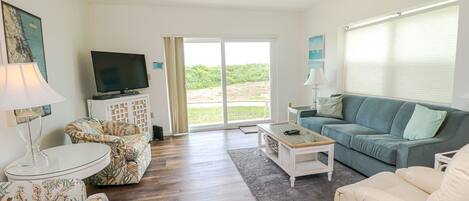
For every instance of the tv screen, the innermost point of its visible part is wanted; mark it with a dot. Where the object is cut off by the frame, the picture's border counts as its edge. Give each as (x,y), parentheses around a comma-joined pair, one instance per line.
(119,71)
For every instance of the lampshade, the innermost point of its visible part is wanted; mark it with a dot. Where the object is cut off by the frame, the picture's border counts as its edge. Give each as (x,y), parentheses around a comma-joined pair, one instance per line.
(22,86)
(316,77)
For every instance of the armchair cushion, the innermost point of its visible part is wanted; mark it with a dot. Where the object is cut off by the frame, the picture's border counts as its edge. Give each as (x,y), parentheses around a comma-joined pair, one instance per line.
(454,186)
(371,194)
(387,182)
(424,178)
(134,146)
(120,128)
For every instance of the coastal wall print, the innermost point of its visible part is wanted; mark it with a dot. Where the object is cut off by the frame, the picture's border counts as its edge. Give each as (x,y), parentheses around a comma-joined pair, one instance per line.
(24,41)
(316,52)
(316,47)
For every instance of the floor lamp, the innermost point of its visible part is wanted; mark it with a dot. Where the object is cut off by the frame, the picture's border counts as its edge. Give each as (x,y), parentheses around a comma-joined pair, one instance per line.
(22,88)
(315,79)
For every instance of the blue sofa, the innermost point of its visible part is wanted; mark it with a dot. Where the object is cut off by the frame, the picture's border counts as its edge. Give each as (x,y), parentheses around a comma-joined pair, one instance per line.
(369,138)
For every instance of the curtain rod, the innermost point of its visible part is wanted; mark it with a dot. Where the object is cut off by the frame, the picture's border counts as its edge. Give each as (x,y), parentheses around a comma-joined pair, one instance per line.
(399,14)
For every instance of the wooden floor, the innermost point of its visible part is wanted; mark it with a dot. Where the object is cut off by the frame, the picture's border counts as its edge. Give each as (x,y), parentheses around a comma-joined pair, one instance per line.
(193,167)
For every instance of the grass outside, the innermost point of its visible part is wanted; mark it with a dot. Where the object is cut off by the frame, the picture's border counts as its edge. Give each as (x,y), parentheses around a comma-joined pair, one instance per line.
(214,114)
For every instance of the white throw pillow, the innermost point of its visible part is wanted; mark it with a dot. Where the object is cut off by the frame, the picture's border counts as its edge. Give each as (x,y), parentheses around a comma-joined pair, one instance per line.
(455,184)
(330,107)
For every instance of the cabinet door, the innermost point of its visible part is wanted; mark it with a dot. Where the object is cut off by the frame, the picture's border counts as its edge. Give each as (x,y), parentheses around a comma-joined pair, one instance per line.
(140,113)
(119,111)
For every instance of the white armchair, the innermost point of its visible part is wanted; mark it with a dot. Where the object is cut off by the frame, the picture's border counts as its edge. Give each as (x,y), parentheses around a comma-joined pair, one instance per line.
(414,184)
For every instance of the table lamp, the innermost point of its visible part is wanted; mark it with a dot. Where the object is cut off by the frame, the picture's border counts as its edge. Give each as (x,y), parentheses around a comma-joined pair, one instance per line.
(22,87)
(315,78)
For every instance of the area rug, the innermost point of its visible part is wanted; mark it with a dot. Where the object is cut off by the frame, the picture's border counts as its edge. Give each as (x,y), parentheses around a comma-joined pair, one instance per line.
(268,182)
(249,129)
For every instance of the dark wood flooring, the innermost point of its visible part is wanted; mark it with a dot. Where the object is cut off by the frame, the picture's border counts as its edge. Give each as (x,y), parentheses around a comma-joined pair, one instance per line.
(192,167)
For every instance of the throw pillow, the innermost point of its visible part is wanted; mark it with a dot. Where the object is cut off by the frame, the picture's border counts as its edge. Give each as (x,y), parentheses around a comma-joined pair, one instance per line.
(330,107)
(424,123)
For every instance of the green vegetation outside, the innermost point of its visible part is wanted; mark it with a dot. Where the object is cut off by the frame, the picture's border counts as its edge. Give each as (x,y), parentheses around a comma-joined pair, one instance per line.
(214,114)
(201,77)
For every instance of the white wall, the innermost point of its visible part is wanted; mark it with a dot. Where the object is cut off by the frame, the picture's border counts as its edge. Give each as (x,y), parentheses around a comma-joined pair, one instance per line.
(139,29)
(330,16)
(64,27)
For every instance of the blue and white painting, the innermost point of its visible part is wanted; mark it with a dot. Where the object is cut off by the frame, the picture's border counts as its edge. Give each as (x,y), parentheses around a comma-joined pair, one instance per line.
(24,41)
(316,47)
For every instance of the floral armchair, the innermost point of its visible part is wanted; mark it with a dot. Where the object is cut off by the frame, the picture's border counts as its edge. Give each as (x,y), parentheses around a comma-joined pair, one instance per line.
(130,149)
(57,189)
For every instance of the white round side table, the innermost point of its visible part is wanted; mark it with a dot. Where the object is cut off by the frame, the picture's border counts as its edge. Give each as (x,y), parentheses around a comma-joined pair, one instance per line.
(77,161)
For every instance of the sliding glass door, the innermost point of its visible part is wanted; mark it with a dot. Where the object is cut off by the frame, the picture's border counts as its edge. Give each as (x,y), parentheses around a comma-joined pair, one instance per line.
(227,82)
(203,83)
(247,81)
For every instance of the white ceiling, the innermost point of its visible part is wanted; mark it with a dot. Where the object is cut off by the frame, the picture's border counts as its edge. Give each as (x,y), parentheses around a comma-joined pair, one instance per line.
(283,5)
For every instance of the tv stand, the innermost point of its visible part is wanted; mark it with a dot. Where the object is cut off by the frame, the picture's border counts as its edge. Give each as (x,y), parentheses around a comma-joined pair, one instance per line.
(122,93)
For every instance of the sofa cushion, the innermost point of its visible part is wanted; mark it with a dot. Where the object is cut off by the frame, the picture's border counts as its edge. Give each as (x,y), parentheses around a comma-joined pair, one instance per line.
(378,113)
(134,146)
(316,123)
(343,133)
(381,147)
(351,105)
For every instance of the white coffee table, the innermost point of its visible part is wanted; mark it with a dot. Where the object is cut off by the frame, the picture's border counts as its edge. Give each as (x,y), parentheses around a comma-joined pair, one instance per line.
(297,155)
(69,161)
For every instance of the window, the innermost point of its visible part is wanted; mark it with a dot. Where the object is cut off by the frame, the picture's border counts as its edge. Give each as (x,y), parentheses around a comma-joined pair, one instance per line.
(407,57)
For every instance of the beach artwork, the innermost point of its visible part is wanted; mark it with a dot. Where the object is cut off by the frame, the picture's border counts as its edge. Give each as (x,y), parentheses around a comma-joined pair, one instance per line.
(24,42)
(316,47)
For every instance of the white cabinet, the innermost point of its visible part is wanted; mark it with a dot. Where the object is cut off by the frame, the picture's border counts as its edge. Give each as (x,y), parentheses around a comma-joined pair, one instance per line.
(134,109)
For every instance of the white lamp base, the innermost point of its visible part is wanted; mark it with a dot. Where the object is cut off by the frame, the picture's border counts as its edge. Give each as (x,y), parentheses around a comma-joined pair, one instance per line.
(30,131)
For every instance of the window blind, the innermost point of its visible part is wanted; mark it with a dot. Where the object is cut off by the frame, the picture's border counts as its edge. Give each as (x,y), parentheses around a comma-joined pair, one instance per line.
(409,57)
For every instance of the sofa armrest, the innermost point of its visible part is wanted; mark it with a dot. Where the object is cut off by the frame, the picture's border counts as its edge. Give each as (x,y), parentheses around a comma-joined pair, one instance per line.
(120,128)
(307,113)
(420,152)
(117,144)
(424,178)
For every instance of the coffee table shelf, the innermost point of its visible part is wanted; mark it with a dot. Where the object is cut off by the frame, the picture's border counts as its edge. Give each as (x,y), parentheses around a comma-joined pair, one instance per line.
(297,155)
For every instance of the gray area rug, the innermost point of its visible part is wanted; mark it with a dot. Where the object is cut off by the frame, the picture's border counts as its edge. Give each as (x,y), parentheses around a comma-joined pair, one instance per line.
(268,182)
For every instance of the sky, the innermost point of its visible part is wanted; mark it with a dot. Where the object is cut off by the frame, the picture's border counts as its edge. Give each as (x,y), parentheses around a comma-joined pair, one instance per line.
(209,54)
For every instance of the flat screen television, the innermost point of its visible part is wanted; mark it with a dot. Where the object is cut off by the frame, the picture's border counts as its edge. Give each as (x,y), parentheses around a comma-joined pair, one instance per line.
(119,71)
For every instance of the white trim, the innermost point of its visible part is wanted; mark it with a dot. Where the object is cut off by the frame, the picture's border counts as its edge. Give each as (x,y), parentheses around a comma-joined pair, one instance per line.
(399,14)
(223,83)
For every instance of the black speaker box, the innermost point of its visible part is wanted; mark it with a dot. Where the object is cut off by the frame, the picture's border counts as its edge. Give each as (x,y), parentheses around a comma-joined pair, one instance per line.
(158,132)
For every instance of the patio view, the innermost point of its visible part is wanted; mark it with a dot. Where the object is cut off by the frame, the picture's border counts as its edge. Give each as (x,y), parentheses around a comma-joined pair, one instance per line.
(246,76)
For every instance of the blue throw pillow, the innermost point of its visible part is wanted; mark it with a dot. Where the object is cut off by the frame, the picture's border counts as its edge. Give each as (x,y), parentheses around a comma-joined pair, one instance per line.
(424,123)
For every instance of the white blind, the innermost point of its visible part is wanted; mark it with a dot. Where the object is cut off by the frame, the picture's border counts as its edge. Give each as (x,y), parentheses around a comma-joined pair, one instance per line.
(410,57)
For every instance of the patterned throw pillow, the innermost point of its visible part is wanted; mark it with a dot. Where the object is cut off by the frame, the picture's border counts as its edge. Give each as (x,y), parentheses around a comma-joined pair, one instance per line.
(330,107)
